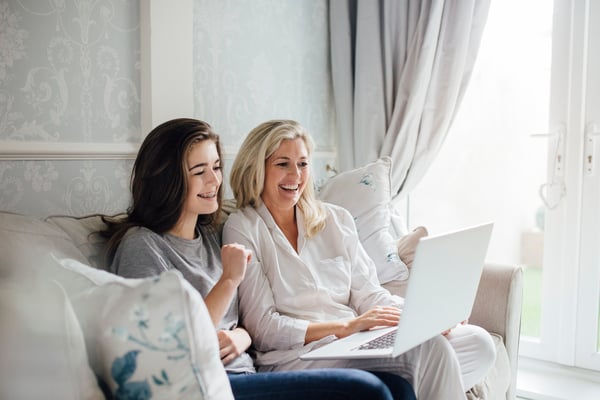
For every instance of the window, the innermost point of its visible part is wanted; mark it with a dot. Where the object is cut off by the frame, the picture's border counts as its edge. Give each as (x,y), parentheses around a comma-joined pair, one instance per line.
(524,151)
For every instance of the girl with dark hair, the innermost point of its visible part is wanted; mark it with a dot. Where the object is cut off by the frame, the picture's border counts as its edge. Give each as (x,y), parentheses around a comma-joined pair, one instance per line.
(173,223)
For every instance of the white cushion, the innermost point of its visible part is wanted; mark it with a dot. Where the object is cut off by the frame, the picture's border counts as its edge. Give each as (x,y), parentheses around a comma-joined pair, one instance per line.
(25,245)
(42,350)
(84,233)
(366,193)
(150,335)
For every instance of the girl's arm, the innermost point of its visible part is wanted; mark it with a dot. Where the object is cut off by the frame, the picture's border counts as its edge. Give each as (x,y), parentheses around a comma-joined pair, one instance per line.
(235,258)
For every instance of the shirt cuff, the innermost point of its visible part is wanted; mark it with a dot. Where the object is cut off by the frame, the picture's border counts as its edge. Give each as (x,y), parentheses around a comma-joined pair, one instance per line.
(297,335)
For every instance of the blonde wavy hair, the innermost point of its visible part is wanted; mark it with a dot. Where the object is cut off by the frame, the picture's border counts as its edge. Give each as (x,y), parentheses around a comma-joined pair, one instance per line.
(247,175)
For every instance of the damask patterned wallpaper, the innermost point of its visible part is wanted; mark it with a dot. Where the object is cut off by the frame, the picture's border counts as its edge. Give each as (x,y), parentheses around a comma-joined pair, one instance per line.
(70,72)
(260,60)
(256,60)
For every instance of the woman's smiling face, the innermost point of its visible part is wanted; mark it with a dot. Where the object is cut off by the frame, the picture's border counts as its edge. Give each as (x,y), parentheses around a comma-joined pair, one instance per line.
(286,173)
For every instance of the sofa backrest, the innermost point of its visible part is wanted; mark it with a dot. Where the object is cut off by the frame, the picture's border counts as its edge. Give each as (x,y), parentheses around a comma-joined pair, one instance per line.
(84,233)
(26,242)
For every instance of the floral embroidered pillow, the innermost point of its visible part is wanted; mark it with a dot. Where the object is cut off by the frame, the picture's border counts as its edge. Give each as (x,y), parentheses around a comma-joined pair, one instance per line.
(151,338)
(366,193)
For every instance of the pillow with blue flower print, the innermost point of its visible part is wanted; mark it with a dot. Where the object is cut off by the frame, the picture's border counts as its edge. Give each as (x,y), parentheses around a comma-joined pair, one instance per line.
(149,338)
(366,193)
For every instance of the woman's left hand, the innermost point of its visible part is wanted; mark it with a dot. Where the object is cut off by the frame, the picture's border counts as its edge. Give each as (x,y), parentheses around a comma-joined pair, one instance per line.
(447,331)
(232,344)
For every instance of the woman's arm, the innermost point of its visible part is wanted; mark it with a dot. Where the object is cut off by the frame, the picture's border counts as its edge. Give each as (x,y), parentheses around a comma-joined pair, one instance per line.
(258,314)
(376,317)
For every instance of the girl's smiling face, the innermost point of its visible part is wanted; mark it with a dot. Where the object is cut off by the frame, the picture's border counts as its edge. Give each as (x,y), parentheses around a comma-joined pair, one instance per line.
(204,177)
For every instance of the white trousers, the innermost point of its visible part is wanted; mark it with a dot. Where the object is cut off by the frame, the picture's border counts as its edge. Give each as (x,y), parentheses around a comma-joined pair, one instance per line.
(442,368)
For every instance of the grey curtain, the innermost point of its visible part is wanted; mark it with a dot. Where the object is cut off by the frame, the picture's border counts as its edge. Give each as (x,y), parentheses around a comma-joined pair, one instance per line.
(400,68)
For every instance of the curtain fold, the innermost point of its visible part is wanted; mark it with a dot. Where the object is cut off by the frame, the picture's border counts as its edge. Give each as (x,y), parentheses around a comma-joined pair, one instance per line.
(399,70)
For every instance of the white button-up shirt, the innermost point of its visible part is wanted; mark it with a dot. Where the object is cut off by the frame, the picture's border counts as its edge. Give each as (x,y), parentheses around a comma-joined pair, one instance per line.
(331,277)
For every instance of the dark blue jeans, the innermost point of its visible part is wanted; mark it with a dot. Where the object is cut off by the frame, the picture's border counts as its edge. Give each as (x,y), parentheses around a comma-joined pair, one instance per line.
(315,384)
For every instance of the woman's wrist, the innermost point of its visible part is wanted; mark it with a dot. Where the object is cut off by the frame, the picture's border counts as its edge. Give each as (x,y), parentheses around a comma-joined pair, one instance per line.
(344,329)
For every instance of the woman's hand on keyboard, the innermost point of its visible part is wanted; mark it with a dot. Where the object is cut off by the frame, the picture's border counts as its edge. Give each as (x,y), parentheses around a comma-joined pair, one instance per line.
(376,317)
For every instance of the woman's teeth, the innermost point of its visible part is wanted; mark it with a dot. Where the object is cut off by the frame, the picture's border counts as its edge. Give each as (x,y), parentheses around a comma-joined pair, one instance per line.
(289,187)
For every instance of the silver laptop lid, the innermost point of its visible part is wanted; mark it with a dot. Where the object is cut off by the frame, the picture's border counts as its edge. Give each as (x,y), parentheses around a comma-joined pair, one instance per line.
(443,283)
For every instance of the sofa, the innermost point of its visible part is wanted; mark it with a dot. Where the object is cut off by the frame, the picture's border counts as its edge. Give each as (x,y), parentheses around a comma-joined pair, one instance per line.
(70,329)
(37,256)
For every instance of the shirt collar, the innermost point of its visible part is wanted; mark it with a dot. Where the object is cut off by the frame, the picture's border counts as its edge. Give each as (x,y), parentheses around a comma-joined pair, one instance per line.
(266,216)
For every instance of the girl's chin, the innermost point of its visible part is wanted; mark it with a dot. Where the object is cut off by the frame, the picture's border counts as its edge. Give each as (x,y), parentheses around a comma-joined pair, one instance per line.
(209,209)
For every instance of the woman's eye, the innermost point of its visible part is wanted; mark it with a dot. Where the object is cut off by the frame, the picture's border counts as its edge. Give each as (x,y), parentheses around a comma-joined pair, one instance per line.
(303,164)
(283,164)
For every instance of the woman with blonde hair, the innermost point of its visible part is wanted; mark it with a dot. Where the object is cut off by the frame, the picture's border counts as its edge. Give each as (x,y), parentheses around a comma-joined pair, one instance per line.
(310,280)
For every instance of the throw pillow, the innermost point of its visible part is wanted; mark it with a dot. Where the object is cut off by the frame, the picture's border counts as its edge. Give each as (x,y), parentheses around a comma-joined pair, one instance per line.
(148,337)
(42,348)
(366,193)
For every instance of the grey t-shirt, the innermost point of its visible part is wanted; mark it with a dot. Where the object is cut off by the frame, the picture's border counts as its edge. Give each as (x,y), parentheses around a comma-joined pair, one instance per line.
(143,253)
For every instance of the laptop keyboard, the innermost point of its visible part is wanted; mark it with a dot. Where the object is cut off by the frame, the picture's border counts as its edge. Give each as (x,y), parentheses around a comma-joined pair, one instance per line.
(382,342)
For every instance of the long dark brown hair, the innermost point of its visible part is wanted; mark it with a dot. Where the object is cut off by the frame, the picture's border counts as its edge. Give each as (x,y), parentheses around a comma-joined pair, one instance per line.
(159,180)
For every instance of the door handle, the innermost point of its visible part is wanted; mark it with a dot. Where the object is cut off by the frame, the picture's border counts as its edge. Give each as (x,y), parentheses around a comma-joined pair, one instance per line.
(592,130)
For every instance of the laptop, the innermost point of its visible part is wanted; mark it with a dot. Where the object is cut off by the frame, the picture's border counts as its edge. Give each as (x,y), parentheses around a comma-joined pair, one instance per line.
(440,294)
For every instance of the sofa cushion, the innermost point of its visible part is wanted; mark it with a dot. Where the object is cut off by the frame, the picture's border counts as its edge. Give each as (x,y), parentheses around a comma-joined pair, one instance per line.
(366,193)
(150,335)
(26,243)
(42,349)
(84,232)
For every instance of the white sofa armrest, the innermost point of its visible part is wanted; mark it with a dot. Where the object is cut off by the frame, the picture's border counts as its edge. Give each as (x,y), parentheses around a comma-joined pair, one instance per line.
(497,309)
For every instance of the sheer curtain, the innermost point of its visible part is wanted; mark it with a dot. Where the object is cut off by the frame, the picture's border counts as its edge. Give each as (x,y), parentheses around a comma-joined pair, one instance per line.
(400,69)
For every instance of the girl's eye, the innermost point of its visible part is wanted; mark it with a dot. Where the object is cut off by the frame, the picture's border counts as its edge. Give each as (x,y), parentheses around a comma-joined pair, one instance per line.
(198,173)
(217,168)
(283,164)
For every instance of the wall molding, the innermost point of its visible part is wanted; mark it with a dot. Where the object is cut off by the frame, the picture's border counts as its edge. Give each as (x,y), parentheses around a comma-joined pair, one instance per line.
(29,150)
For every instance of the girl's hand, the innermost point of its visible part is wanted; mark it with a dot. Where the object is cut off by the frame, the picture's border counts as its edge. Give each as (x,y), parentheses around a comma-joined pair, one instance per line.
(232,344)
(235,258)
